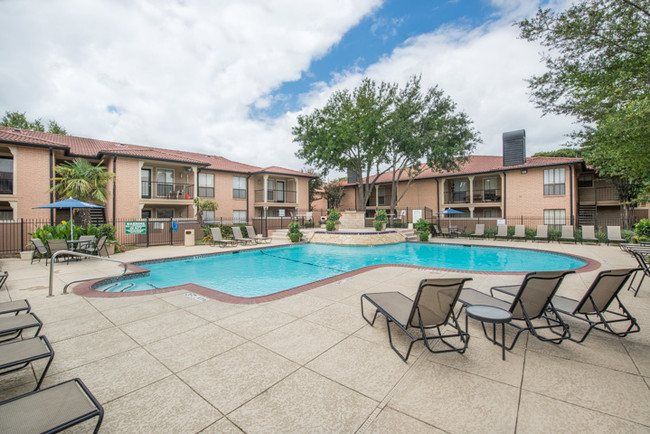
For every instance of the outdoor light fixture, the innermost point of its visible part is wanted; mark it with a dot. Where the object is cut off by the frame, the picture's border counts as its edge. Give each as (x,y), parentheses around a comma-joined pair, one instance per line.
(524,171)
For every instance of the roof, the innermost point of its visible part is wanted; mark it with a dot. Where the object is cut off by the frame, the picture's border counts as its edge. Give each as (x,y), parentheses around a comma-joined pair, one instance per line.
(478,164)
(93,148)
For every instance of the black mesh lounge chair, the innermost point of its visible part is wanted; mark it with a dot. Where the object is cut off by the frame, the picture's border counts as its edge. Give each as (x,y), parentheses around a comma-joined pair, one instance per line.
(502,232)
(237,235)
(3,278)
(589,235)
(432,308)
(217,238)
(594,307)
(18,354)
(614,235)
(567,234)
(642,256)
(50,410)
(15,307)
(532,302)
(520,233)
(40,251)
(479,231)
(259,239)
(542,233)
(12,327)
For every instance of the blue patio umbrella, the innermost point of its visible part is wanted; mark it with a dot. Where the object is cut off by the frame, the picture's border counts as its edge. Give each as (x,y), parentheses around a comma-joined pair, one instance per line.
(450,211)
(70,204)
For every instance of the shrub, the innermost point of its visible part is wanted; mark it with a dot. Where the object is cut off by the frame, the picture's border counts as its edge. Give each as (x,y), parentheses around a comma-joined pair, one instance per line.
(295,237)
(309,224)
(381,216)
(294,228)
(421,225)
(330,225)
(424,236)
(642,229)
(378,225)
(334,215)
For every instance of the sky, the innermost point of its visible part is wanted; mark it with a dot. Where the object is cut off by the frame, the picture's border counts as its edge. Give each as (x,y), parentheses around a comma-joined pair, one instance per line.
(230,78)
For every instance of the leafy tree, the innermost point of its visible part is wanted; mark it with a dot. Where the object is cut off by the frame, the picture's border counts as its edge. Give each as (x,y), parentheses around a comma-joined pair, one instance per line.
(201,206)
(347,134)
(424,131)
(562,152)
(333,193)
(82,180)
(598,69)
(19,120)
(314,184)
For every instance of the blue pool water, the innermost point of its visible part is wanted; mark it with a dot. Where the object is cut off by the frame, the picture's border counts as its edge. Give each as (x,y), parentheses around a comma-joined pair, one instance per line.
(253,273)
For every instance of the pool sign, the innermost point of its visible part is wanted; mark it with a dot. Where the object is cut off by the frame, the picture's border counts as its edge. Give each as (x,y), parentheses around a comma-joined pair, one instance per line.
(135,227)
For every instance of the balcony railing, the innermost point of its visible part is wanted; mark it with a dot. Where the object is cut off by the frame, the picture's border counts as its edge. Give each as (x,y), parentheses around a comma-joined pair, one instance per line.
(279,196)
(479,196)
(166,190)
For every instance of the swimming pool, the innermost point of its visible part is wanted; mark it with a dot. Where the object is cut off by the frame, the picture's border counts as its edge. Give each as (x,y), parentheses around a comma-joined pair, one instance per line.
(259,272)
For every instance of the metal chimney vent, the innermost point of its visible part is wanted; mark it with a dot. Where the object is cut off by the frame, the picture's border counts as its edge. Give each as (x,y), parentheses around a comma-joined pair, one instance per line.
(352,177)
(514,148)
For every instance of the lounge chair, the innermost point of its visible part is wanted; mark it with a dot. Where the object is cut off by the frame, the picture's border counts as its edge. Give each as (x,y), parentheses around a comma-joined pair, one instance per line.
(55,246)
(642,256)
(3,278)
(532,301)
(589,234)
(15,307)
(237,236)
(18,354)
(520,233)
(614,235)
(432,308)
(479,231)
(217,238)
(567,234)
(542,233)
(594,307)
(40,251)
(436,231)
(12,327)
(259,239)
(50,410)
(502,232)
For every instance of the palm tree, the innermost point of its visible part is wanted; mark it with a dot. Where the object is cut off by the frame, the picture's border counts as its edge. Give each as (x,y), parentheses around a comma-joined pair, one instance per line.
(82,180)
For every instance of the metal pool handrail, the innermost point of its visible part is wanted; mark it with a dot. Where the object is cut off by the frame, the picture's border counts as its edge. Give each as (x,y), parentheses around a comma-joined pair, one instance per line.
(85,255)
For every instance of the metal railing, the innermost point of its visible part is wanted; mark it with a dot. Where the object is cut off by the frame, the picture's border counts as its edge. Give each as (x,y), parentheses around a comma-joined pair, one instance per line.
(166,190)
(83,255)
(273,195)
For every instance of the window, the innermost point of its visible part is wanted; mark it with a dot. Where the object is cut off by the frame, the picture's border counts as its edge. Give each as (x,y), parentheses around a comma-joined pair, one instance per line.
(238,217)
(6,175)
(165,182)
(553,181)
(145,177)
(208,216)
(238,187)
(206,185)
(165,213)
(490,189)
(554,218)
(491,213)
(270,185)
(586,181)
(146,213)
(459,187)
(381,196)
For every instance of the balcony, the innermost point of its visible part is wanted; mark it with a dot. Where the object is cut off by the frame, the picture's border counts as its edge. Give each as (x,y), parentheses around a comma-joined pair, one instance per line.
(479,196)
(598,196)
(275,196)
(166,190)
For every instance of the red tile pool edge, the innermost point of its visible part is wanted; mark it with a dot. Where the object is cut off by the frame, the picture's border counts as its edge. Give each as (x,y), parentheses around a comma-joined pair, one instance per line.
(85,289)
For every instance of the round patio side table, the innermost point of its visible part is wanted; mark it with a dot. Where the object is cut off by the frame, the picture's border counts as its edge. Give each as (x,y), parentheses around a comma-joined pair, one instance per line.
(491,315)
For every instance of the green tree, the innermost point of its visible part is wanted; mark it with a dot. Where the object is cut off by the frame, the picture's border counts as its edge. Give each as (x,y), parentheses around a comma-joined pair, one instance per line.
(333,193)
(598,70)
(314,184)
(424,131)
(562,152)
(79,179)
(347,134)
(19,120)
(203,205)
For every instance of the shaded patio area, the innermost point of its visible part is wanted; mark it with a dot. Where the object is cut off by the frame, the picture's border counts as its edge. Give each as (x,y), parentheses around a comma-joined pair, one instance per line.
(177,362)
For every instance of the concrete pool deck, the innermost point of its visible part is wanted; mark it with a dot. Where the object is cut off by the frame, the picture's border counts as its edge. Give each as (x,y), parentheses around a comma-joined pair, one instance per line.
(175,362)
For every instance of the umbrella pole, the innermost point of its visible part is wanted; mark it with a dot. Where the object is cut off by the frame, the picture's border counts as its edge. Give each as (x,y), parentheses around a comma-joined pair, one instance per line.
(71,223)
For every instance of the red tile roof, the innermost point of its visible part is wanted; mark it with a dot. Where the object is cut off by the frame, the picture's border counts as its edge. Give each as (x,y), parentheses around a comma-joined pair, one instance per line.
(92,148)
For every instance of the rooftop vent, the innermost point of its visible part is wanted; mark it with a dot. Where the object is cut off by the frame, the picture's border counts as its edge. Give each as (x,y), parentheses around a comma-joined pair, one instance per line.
(352,176)
(514,148)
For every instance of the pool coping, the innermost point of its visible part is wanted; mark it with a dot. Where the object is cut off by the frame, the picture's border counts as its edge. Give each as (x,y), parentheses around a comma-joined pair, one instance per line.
(86,289)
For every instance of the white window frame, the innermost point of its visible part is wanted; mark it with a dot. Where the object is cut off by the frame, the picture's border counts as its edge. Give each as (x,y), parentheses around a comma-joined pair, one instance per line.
(238,185)
(554,182)
(239,216)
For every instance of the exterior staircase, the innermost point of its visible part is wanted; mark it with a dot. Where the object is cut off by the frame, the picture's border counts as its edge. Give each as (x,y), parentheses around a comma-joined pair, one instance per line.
(586,215)
(97,216)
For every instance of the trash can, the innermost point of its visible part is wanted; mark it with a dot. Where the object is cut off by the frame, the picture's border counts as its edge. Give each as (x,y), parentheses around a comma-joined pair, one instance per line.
(189,237)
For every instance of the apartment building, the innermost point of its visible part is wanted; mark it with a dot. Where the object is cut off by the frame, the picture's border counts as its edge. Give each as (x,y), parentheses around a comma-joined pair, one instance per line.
(149,182)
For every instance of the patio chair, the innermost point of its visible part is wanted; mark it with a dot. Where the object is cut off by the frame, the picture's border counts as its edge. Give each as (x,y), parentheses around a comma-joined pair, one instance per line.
(259,239)
(432,308)
(217,238)
(594,307)
(237,236)
(531,303)
(40,251)
(502,232)
(436,231)
(520,233)
(85,243)
(542,233)
(12,327)
(18,354)
(614,235)
(642,256)
(50,410)
(97,249)
(15,307)
(3,278)
(589,234)
(479,231)
(567,234)
(55,246)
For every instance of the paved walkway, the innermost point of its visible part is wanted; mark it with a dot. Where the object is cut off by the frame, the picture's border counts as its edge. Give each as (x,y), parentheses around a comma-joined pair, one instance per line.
(309,363)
